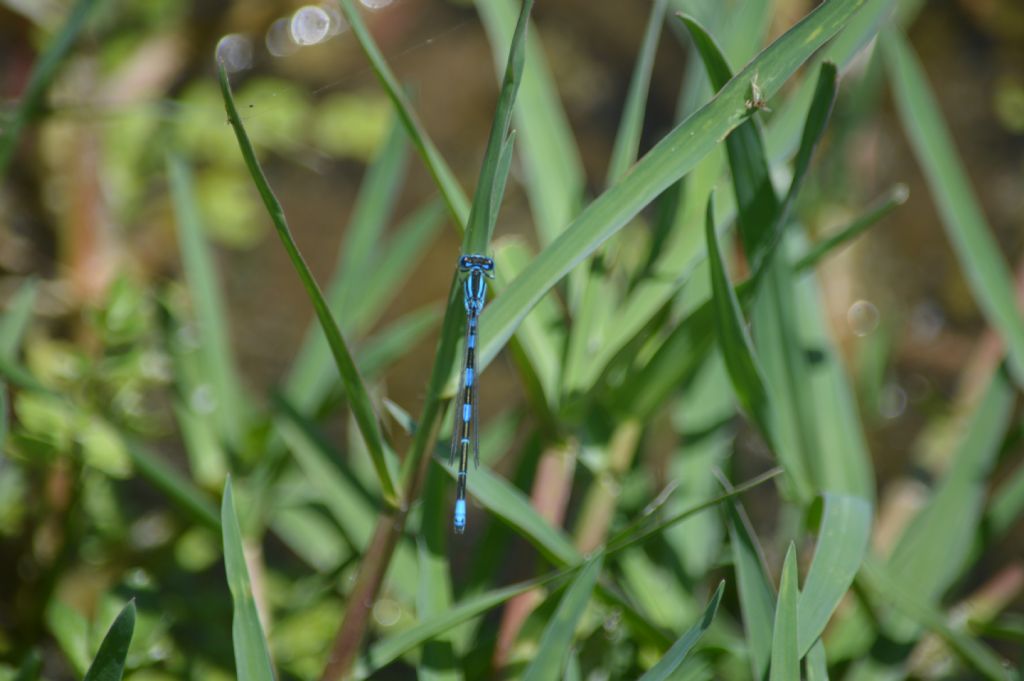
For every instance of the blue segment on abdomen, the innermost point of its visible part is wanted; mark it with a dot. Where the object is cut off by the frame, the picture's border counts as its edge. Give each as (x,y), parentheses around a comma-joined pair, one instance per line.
(472,340)
(460,514)
(469,376)
(467,412)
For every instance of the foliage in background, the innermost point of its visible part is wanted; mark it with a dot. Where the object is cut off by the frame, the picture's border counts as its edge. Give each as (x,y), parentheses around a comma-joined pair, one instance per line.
(609,534)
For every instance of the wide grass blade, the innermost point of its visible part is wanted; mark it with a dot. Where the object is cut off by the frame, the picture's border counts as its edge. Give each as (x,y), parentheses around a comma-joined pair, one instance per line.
(215,356)
(552,170)
(980,257)
(672,158)
(734,339)
(785,656)
(549,660)
(842,544)
(627,139)
(42,75)
(675,656)
(358,397)
(252,656)
(453,195)
(108,665)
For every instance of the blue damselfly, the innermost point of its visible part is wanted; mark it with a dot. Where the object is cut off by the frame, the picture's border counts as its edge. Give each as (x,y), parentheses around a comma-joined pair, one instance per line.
(465,433)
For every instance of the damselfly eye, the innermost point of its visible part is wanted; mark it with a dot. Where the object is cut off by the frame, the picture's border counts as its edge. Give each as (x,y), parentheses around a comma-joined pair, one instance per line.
(464,262)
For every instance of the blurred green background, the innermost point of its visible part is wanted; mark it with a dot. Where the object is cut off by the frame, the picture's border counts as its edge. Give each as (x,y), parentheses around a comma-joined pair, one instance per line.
(109,479)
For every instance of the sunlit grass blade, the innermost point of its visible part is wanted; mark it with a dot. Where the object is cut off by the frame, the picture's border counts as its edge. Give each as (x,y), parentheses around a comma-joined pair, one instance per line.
(108,665)
(453,195)
(179,490)
(42,75)
(968,231)
(215,355)
(672,158)
(785,665)
(252,656)
(549,660)
(627,139)
(358,397)
(552,170)
(734,339)
(845,529)
(16,318)
(676,655)
(881,207)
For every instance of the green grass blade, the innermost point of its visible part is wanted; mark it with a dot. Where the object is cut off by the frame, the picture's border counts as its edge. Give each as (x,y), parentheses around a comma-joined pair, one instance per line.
(481,215)
(672,158)
(42,75)
(434,591)
(395,341)
(215,356)
(879,208)
(841,547)
(252,656)
(980,257)
(16,318)
(358,397)
(676,655)
(627,140)
(452,193)
(756,594)
(179,490)
(785,655)
(108,664)
(30,667)
(549,660)
(816,663)
(1007,505)
(552,170)
(733,338)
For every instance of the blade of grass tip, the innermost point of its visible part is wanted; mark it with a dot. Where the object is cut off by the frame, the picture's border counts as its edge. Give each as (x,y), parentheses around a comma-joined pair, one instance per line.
(448,185)
(481,215)
(984,267)
(15,319)
(734,339)
(358,397)
(627,139)
(785,656)
(42,75)
(672,158)
(841,547)
(878,209)
(552,170)
(676,655)
(549,660)
(108,665)
(218,363)
(252,656)
(816,663)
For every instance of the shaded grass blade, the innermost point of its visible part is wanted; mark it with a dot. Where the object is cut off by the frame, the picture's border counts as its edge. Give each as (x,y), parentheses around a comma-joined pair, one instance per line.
(358,397)
(178,489)
(108,664)
(42,75)
(842,544)
(252,656)
(16,318)
(453,195)
(785,656)
(216,358)
(816,663)
(676,655)
(983,264)
(434,591)
(549,660)
(672,158)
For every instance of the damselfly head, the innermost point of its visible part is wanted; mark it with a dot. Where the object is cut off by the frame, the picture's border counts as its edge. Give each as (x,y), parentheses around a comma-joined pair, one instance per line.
(477,262)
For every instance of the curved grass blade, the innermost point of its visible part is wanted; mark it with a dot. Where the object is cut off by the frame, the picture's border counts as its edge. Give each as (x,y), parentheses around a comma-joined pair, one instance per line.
(552,169)
(215,356)
(42,75)
(358,397)
(841,547)
(108,664)
(627,139)
(785,656)
(672,158)
(453,195)
(252,656)
(549,660)
(733,338)
(675,656)
(15,319)
(979,255)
